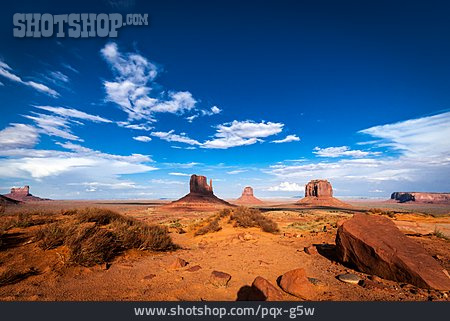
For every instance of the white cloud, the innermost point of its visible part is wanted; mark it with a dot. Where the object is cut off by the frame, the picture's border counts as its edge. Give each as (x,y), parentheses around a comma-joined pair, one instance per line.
(53,126)
(18,136)
(131,87)
(178,174)
(341,151)
(6,71)
(237,171)
(144,126)
(287,187)
(287,139)
(171,137)
(215,110)
(240,133)
(144,139)
(73,113)
(167,182)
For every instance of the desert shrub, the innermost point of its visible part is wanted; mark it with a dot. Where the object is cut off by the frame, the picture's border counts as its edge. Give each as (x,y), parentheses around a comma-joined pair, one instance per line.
(440,235)
(11,276)
(212,226)
(99,216)
(379,211)
(248,217)
(52,235)
(91,245)
(95,236)
(69,212)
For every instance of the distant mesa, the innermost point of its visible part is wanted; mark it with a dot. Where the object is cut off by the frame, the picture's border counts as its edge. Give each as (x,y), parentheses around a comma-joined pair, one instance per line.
(421,197)
(247,197)
(22,194)
(319,192)
(200,197)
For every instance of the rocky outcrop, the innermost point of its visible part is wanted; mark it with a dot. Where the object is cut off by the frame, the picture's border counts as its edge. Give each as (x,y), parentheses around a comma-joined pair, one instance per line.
(319,192)
(247,197)
(420,197)
(22,194)
(374,245)
(318,188)
(200,198)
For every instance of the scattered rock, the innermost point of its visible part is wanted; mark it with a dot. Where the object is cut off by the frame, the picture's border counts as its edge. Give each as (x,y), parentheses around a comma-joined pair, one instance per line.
(195,268)
(178,263)
(376,246)
(349,278)
(296,283)
(149,277)
(263,290)
(219,279)
(311,250)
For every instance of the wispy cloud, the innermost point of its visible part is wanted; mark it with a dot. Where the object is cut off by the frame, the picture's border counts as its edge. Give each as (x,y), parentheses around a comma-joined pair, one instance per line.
(237,171)
(73,113)
(178,174)
(7,72)
(170,136)
(342,151)
(144,139)
(287,139)
(18,136)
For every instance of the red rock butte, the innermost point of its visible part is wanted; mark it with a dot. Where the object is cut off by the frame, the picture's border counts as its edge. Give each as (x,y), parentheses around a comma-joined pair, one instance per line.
(22,194)
(200,197)
(247,197)
(319,192)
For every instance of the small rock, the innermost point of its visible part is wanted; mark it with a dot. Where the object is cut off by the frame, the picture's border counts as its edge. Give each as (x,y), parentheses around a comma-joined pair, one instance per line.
(149,277)
(194,268)
(375,278)
(349,278)
(296,283)
(263,290)
(315,281)
(219,279)
(106,266)
(178,263)
(311,250)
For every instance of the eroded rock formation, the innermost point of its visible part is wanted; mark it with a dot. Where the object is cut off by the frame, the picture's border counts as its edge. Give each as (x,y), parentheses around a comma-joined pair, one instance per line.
(200,197)
(374,245)
(247,197)
(319,192)
(22,194)
(421,197)
(318,188)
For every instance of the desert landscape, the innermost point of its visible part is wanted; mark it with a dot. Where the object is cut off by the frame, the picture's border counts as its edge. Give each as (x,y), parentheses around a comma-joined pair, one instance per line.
(203,248)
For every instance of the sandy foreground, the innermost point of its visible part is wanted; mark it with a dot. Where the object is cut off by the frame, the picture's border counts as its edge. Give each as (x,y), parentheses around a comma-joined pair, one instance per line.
(244,253)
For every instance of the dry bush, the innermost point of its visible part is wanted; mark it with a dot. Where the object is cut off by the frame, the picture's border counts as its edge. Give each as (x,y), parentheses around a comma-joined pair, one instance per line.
(10,276)
(99,215)
(379,211)
(95,236)
(212,226)
(90,245)
(248,217)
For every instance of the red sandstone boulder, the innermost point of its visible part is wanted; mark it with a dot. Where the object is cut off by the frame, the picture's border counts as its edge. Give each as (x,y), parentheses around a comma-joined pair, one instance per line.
(374,245)
(295,282)
(219,279)
(247,197)
(263,290)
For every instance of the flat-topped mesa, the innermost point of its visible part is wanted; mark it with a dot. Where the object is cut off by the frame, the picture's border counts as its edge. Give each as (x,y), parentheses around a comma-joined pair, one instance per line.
(22,194)
(421,197)
(247,197)
(319,192)
(21,191)
(198,185)
(319,188)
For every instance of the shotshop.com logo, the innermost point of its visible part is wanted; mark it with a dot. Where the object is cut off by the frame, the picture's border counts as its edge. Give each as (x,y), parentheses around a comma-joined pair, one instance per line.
(74,25)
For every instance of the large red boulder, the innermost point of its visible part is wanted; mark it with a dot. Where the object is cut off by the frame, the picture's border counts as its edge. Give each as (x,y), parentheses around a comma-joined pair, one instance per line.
(374,245)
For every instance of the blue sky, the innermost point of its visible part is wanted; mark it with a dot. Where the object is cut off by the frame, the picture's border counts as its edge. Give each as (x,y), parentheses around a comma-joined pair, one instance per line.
(269,95)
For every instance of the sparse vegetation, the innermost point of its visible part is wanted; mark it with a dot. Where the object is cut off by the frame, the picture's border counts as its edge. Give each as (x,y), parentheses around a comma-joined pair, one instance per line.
(212,226)
(379,211)
(441,235)
(94,236)
(248,217)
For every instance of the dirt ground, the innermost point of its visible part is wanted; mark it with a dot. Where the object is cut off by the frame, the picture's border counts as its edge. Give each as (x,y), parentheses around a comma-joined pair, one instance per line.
(244,253)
